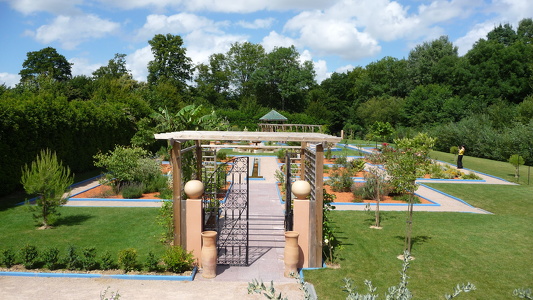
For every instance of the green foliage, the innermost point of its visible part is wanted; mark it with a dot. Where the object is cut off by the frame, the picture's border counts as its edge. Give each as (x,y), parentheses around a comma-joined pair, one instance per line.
(106,261)
(260,288)
(29,256)
(50,258)
(454,150)
(72,259)
(8,257)
(152,262)
(113,296)
(331,246)
(88,259)
(165,220)
(48,179)
(516,160)
(46,62)
(178,260)
(127,259)
(124,164)
(340,180)
(222,155)
(132,190)
(170,62)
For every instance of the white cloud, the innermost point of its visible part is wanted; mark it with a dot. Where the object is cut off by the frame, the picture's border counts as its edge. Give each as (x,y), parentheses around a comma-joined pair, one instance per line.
(257,23)
(479,31)
(200,45)
(72,31)
(228,6)
(9,80)
(276,40)
(59,7)
(512,11)
(81,66)
(344,69)
(327,35)
(182,23)
(321,70)
(137,62)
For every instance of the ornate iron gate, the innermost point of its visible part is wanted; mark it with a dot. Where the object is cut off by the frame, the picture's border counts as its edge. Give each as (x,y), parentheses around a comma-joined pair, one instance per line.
(229,216)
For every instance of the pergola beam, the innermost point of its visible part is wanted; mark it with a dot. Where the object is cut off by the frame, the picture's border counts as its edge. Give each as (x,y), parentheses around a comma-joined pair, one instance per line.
(310,137)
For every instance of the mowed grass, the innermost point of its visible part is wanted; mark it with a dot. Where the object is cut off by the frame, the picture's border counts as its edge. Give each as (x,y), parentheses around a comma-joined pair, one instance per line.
(107,229)
(494,252)
(499,169)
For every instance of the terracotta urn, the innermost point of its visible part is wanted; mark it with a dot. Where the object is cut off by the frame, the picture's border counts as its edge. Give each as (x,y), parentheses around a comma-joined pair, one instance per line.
(194,189)
(291,253)
(301,189)
(209,254)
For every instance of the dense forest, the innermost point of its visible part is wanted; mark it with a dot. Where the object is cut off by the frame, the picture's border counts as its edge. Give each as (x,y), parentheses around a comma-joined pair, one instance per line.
(483,99)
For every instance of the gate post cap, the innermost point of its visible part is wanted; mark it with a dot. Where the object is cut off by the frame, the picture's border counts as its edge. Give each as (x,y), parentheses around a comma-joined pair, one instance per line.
(194,189)
(301,189)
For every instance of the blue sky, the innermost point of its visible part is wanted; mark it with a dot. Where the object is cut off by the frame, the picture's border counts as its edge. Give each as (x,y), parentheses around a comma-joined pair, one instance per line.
(336,35)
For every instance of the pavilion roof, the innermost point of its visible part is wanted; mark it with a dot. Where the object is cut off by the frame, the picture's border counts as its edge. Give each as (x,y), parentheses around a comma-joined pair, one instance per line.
(273,116)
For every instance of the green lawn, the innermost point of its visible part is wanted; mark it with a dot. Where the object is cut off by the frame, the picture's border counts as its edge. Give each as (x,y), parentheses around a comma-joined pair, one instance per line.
(107,229)
(495,252)
(500,169)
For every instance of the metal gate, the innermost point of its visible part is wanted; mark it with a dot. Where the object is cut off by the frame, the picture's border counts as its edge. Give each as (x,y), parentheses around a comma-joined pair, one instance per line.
(229,215)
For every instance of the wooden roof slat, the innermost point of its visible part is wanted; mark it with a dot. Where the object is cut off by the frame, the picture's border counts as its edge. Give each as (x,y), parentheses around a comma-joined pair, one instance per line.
(248,136)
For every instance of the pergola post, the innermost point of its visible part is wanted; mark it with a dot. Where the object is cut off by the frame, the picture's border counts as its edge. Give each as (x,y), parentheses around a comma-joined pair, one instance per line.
(176,192)
(319,207)
(302,160)
(198,160)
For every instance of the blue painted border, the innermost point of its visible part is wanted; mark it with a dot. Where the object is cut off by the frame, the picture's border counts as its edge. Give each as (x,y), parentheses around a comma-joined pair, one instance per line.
(116,276)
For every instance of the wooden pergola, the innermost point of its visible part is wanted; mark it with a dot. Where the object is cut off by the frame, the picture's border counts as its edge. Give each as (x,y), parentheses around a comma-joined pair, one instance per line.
(305,138)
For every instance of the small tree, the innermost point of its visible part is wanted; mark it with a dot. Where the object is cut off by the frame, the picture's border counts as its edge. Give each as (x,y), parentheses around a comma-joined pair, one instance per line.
(48,179)
(402,165)
(516,160)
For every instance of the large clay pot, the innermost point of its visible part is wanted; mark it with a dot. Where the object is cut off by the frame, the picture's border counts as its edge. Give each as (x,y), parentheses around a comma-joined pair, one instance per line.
(209,254)
(291,253)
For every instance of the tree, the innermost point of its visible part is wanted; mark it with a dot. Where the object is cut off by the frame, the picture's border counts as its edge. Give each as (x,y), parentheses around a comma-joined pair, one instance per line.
(281,80)
(243,61)
(170,61)
(432,62)
(115,68)
(213,80)
(45,62)
(48,179)
(411,154)
(516,160)
(503,34)
(525,30)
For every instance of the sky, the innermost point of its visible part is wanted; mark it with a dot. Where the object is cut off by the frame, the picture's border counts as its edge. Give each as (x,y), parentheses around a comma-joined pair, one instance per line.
(337,35)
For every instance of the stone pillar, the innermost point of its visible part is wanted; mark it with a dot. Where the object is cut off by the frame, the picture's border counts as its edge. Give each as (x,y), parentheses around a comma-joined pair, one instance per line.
(302,220)
(193,216)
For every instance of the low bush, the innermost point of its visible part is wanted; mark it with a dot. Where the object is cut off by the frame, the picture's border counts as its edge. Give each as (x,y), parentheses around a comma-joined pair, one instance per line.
(88,260)
(29,256)
(151,262)
(8,258)
(50,258)
(155,184)
(340,181)
(222,155)
(178,260)
(72,260)
(106,261)
(132,190)
(127,259)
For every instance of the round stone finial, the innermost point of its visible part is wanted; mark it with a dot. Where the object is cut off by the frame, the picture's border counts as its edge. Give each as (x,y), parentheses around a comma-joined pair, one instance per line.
(194,189)
(301,189)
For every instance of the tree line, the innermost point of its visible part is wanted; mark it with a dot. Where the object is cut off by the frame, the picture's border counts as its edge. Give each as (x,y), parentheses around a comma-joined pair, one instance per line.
(482,99)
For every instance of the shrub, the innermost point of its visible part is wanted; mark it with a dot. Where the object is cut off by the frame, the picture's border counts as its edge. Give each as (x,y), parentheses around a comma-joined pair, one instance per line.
(340,181)
(132,190)
(151,262)
(222,155)
(8,258)
(454,150)
(106,261)
(50,258)
(178,260)
(165,220)
(471,175)
(88,260)
(127,259)
(29,256)
(155,184)
(72,260)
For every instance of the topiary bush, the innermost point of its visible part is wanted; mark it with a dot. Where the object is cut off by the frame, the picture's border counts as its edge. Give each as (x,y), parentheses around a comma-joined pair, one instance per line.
(29,256)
